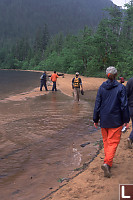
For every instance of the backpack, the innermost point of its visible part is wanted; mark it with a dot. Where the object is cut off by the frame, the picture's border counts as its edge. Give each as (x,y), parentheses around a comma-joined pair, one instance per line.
(76,82)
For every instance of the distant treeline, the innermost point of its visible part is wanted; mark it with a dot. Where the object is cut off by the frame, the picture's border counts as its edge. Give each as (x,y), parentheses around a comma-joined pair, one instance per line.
(20,18)
(88,52)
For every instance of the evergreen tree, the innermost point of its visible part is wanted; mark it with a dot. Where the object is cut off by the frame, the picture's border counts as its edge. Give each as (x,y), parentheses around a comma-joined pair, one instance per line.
(41,39)
(86,48)
(21,49)
(128,22)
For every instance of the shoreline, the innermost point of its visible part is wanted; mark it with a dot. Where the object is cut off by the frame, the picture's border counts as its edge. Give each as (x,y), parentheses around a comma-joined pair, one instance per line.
(63,84)
(91,184)
(82,169)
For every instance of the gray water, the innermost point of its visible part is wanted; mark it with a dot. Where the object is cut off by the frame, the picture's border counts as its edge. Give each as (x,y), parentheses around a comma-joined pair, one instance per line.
(41,139)
(13,82)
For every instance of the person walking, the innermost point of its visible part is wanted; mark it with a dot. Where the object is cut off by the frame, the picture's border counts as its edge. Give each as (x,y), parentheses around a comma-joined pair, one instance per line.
(129,88)
(122,80)
(111,108)
(54,79)
(76,84)
(43,81)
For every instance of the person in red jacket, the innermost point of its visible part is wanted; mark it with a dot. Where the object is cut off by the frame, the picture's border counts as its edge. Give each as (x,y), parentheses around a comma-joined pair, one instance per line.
(122,80)
(54,79)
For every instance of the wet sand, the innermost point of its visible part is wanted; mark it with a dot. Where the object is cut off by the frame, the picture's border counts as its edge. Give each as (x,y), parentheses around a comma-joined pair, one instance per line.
(39,147)
(90,183)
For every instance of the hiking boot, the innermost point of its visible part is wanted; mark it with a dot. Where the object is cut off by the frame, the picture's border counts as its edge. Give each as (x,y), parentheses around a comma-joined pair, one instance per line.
(106,169)
(129,143)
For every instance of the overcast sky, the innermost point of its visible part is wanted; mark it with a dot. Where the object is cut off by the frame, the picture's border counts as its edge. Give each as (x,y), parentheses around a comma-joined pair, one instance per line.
(120,2)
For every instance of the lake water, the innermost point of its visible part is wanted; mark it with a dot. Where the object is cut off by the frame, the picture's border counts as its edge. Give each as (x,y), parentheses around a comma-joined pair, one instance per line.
(13,82)
(44,141)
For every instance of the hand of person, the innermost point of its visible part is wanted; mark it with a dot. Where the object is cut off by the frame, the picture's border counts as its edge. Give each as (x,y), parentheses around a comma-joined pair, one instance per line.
(126,125)
(96,125)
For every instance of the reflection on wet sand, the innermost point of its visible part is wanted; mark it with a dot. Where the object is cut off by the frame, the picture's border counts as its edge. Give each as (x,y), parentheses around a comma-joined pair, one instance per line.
(40,144)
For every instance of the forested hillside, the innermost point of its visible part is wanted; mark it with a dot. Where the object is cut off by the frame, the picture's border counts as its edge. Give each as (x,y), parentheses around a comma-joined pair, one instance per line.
(90,50)
(23,17)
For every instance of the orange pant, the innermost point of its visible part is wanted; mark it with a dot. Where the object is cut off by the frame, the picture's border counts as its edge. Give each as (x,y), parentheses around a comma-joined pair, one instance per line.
(111,139)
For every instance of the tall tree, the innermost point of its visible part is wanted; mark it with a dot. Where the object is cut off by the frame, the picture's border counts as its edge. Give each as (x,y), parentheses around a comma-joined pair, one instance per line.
(85,46)
(41,39)
(21,49)
(128,22)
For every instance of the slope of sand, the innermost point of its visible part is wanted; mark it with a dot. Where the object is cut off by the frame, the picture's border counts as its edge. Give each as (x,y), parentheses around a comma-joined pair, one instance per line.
(91,184)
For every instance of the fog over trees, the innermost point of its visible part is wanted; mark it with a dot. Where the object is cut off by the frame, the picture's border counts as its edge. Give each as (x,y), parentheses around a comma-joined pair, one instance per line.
(66,36)
(23,17)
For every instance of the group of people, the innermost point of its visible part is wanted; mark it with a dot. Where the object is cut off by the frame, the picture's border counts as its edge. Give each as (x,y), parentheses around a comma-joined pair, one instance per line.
(113,108)
(76,83)
(44,81)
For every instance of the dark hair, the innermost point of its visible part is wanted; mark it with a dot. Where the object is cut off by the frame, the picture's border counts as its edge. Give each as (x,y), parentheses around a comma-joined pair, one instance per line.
(54,71)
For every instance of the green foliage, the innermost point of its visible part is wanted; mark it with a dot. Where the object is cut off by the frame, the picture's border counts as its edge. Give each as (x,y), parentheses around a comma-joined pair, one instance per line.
(89,52)
(125,66)
(41,39)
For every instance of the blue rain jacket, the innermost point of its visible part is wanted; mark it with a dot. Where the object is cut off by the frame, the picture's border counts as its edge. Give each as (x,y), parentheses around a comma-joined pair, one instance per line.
(43,78)
(111,105)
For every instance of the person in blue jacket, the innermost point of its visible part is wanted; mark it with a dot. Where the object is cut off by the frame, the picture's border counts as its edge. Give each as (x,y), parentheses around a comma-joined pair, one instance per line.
(43,79)
(111,108)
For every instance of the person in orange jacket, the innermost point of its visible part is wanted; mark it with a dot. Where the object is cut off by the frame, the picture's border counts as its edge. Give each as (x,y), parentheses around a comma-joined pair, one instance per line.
(54,79)
(111,108)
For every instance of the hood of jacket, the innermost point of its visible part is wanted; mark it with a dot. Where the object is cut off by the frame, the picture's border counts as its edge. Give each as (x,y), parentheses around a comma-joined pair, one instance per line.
(108,85)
